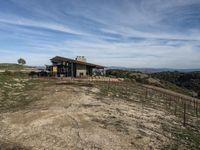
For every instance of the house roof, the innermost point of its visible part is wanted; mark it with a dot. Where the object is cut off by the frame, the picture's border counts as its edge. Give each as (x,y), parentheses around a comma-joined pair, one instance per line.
(63,59)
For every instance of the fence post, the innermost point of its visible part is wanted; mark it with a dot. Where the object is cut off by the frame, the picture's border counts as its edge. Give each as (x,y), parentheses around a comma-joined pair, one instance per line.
(126,87)
(197,108)
(108,83)
(175,107)
(170,101)
(184,115)
(146,93)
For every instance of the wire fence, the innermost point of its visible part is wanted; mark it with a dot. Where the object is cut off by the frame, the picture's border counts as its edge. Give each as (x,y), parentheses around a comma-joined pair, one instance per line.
(180,105)
(185,107)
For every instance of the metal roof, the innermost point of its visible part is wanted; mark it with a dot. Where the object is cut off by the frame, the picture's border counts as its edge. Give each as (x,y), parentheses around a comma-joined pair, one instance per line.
(63,59)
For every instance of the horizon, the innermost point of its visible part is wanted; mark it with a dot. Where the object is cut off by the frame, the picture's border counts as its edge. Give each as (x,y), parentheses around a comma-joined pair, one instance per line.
(115,67)
(127,33)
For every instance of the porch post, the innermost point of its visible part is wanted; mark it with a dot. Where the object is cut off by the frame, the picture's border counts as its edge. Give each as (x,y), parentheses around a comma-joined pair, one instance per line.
(72,69)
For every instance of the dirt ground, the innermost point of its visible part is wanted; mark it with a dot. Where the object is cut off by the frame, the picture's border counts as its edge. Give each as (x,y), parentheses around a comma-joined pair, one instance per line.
(77,117)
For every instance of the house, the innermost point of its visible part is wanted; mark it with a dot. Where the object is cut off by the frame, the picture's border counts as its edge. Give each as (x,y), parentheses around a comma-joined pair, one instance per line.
(67,67)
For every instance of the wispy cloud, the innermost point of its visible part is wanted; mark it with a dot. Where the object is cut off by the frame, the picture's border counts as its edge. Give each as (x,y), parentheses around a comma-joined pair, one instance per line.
(38,24)
(134,33)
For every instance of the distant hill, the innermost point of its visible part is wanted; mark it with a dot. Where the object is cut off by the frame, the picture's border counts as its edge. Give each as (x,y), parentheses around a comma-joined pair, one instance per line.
(188,80)
(186,83)
(152,70)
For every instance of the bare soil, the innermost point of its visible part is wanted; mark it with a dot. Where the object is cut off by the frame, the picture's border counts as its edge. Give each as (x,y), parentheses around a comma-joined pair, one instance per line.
(76,117)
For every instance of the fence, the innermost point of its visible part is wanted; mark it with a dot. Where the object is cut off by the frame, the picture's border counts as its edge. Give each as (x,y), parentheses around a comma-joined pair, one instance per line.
(185,107)
(190,105)
(181,105)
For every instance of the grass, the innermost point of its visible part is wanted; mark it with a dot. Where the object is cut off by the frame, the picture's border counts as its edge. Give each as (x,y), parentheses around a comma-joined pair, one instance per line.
(182,137)
(7,66)
(11,146)
(17,92)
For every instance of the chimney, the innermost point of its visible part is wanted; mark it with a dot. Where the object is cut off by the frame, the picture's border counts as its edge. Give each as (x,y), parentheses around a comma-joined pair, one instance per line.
(81,58)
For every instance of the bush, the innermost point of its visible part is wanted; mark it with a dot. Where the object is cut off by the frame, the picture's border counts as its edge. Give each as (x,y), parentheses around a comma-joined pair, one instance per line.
(33,74)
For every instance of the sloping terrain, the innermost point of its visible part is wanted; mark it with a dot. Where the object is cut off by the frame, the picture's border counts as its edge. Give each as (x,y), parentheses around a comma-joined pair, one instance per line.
(185,83)
(80,115)
(189,80)
(74,117)
(7,66)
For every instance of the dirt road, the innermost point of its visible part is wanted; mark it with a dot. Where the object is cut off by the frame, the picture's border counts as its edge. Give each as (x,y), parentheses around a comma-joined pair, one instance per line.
(78,117)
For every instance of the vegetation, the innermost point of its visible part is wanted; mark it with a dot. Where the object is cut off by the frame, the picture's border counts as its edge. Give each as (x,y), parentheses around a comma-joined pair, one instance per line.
(132,75)
(6,66)
(180,137)
(16,90)
(21,61)
(190,81)
(149,79)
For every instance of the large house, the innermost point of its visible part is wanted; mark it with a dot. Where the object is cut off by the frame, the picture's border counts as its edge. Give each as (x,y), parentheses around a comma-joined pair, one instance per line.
(67,67)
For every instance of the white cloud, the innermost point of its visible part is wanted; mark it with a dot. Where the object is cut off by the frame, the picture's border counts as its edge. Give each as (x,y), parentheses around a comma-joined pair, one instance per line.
(14,20)
(107,43)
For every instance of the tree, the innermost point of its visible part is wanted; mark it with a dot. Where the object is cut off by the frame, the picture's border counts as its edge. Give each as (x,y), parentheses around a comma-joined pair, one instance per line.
(21,61)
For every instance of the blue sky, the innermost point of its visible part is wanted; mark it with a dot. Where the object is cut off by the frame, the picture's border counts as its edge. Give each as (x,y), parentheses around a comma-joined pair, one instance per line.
(130,33)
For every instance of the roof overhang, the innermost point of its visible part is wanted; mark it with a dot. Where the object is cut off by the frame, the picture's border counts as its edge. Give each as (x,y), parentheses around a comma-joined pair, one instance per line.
(63,59)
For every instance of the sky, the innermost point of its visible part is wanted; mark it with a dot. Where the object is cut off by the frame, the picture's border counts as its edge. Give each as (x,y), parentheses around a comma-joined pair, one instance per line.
(129,33)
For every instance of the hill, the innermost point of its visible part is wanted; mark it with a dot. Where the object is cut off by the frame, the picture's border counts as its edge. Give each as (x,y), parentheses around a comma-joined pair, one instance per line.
(190,80)
(158,79)
(7,66)
(152,70)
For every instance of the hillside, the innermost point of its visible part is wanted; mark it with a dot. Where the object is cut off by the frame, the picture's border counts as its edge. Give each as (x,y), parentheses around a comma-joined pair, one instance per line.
(44,113)
(150,79)
(152,70)
(190,81)
(7,66)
